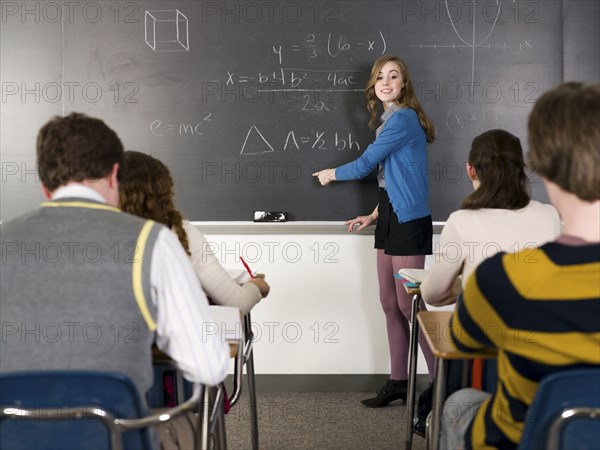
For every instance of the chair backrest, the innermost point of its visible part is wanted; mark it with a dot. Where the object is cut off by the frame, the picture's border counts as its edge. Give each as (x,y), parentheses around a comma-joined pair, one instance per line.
(43,391)
(558,392)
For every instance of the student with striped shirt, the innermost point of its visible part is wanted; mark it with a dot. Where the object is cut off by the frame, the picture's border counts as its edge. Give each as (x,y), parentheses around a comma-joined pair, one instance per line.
(539,308)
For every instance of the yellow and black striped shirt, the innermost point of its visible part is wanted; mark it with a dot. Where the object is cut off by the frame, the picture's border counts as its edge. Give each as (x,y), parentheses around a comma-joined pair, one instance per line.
(540,309)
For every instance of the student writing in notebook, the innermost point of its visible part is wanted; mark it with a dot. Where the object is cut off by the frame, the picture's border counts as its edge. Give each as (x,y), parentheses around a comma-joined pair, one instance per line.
(146,190)
(404,231)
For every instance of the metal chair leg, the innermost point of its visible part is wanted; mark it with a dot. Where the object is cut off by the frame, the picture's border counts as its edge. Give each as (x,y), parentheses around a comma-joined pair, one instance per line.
(220,437)
(205,420)
(412,371)
(428,430)
(439,395)
(251,381)
(213,420)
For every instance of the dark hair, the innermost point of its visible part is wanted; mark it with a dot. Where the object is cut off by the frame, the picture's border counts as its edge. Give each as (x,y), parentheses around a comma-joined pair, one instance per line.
(564,138)
(146,190)
(497,157)
(407,96)
(76,148)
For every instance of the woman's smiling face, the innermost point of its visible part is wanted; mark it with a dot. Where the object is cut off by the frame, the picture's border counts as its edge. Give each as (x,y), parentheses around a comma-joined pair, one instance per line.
(389,84)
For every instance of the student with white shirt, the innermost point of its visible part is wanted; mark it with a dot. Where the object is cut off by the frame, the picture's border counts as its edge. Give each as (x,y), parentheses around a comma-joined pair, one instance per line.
(498,216)
(88,287)
(146,190)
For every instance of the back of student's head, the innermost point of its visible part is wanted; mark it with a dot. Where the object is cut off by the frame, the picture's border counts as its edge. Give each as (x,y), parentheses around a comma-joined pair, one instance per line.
(497,158)
(76,148)
(146,190)
(564,138)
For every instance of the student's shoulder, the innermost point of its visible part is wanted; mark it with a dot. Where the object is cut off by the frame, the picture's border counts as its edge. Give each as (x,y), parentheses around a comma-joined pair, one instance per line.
(15,223)
(192,231)
(404,115)
(464,217)
(524,270)
(135,220)
(542,209)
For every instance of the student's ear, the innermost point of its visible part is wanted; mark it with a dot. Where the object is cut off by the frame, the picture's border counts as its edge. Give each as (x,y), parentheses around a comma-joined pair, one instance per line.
(471,172)
(113,180)
(47,192)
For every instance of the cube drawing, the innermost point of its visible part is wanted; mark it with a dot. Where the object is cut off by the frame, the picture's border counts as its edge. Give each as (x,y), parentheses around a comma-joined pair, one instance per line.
(167,30)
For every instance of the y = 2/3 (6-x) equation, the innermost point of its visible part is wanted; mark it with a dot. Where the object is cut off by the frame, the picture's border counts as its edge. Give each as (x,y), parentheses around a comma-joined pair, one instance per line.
(157,128)
(334,47)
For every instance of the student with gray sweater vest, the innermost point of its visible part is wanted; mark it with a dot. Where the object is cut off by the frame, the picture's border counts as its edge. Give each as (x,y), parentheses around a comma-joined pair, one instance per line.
(88,287)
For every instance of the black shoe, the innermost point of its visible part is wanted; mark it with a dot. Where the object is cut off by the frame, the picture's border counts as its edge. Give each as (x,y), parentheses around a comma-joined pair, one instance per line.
(419,427)
(392,390)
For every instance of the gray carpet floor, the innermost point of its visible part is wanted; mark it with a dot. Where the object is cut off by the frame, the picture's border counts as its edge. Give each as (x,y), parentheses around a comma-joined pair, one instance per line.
(317,420)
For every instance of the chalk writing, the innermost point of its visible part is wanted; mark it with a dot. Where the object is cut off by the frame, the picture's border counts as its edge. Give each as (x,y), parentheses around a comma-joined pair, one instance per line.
(287,79)
(456,121)
(166,30)
(333,46)
(257,144)
(472,42)
(158,128)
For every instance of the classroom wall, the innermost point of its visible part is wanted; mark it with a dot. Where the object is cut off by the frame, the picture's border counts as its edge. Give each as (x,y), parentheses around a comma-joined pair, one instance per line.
(323,314)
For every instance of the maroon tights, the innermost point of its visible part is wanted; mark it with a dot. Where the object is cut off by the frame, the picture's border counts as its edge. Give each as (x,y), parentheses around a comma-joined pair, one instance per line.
(396,305)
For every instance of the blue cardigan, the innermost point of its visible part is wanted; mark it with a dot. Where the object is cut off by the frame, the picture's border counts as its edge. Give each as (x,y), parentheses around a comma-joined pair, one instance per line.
(402,149)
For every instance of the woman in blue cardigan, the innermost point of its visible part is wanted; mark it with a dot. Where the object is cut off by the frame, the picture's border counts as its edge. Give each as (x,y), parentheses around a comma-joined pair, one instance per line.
(404,231)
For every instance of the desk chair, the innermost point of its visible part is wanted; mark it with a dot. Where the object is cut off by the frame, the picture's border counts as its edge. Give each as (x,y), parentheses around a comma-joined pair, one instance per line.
(170,388)
(176,389)
(78,411)
(565,413)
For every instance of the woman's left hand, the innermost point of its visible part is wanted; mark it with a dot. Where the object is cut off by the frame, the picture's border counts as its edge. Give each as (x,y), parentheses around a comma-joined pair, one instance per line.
(325,176)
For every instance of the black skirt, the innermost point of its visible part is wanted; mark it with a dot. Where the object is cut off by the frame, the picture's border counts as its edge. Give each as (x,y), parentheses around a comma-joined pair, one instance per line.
(401,239)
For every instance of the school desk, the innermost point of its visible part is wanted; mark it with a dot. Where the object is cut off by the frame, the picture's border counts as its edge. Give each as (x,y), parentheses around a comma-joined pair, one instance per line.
(436,327)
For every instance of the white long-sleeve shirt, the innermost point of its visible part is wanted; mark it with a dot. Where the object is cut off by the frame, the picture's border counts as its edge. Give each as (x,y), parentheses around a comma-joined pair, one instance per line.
(215,280)
(472,235)
(183,314)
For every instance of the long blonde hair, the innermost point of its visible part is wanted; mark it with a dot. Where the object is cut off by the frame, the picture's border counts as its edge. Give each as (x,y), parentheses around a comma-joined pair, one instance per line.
(407,97)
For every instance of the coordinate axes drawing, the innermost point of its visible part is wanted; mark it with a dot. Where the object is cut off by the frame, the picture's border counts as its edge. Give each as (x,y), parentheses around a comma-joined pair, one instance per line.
(471,42)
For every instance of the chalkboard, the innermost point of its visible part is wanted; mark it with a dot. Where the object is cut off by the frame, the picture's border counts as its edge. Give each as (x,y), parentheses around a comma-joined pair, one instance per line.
(244,100)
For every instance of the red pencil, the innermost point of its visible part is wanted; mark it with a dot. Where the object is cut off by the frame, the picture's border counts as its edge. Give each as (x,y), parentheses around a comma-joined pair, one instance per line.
(247,267)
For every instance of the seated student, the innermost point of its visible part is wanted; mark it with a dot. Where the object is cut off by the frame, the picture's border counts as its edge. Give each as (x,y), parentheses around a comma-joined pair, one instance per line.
(87,287)
(498,216)
(146,190)
(550,296)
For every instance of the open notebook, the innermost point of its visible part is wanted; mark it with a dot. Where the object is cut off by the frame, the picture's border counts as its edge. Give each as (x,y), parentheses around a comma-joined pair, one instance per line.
(415,276)
(226,322)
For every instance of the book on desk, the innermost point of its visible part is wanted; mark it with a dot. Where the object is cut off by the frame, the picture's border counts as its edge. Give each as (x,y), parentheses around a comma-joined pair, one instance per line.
(413,277)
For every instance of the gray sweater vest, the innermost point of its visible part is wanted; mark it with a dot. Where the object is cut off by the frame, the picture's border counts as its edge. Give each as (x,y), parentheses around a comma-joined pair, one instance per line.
(75,291)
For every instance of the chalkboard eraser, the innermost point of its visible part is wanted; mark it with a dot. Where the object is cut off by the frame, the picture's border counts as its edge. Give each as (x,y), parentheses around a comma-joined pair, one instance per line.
(270,216)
